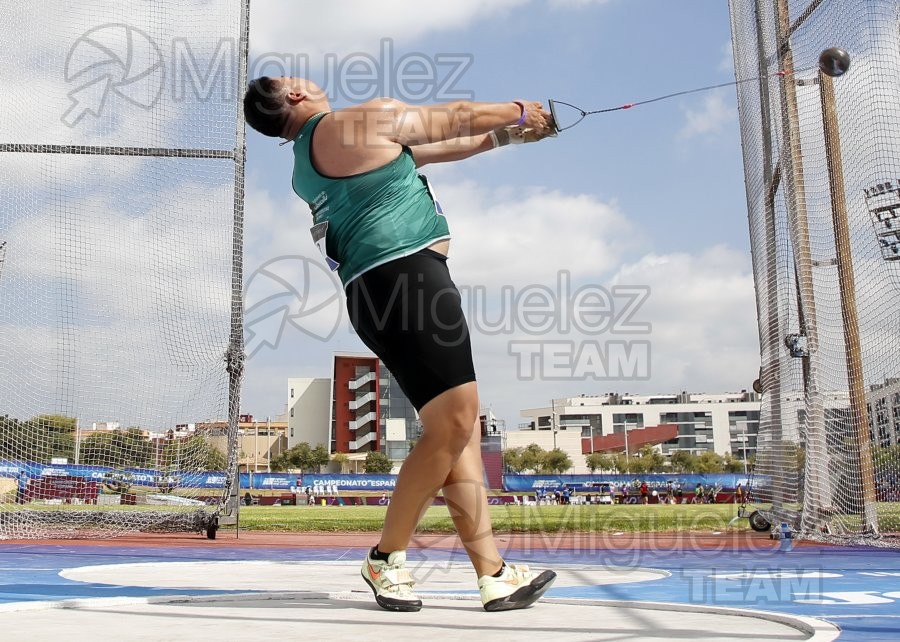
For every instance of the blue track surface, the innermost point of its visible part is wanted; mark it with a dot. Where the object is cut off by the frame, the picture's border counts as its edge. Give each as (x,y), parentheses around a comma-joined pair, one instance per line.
(856,588)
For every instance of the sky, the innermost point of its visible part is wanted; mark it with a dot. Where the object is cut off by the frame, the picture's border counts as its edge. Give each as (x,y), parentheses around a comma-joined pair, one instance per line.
(614,257)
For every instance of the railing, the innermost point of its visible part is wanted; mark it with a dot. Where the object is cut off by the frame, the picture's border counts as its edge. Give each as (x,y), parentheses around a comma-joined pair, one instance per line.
(362,441)
(361,381)
(362,421)
(362,401)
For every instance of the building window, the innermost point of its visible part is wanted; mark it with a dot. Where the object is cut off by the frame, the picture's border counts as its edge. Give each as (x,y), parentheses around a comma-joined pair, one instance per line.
(292,393)
(292,412)
(627,421)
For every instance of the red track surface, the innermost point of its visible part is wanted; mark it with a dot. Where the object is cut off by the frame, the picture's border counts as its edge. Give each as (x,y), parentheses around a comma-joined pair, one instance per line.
(526,541)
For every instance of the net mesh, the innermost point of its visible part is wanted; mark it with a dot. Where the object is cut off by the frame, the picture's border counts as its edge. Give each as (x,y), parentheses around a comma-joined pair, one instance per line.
(822,165)
(121,152)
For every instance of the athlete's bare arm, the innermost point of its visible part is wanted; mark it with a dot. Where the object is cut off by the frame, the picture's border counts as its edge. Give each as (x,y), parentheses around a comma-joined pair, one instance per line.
(447,151)
(455,149)
(374,132)
(421,125)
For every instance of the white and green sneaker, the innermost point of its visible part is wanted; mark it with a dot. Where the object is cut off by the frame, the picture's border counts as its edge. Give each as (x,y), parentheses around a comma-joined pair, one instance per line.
(391,582)
(516,588)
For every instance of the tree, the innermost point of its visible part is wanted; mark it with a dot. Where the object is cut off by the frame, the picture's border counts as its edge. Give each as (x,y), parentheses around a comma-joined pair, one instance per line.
(193,454)
(319,457)
(683,461)
(377,462)
(555,461)
(56,423)
(55,436)
(652,461)
(56,444)
(886,457)
(296,458)
(117,449)
(512,459)
(637,465)
(709,462)
(301,457)
(341,459)
(599,461)
(97,450)
(732,464)
(532,458)
(622,464)
(38,439)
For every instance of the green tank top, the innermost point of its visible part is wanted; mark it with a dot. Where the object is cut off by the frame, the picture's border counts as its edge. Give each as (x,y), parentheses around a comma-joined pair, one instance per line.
(365,220)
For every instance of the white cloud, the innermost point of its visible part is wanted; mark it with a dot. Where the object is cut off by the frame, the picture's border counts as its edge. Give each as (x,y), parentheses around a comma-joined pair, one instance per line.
(701,305)
(131,68)
(704,336)
(726,64)
(567,4)
(503,234)
(703,311)
(343,26)
(118,309)
(715,114)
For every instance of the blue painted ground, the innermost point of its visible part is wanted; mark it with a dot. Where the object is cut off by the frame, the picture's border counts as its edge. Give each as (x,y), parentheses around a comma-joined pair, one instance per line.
(856,588)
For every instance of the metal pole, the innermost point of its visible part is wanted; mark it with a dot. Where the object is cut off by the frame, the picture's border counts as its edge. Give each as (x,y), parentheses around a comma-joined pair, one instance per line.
(2,255)
(859,423)
(792,159)
(77,441)
(744,449)
(553,420)
(234,356)
(770,330)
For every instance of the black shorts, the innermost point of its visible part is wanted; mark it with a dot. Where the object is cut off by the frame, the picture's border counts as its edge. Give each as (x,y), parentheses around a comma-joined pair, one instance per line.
(409,313)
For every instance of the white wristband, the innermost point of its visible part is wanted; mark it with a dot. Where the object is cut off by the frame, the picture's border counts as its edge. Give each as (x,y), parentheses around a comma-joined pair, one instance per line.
(494,139)
(516,134)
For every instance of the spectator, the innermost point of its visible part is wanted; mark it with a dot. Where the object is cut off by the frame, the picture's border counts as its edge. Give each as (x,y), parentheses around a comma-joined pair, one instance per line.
(645,493)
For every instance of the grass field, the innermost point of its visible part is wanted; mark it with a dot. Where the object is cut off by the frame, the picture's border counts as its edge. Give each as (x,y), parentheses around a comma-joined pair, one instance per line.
(631,518)
(506,519)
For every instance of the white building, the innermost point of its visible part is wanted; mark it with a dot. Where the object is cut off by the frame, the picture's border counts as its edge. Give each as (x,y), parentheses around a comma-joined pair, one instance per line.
(724,423)
(883,406)
(309,412)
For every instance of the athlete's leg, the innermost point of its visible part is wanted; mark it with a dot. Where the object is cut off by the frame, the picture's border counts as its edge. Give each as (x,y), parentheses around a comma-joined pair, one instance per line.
(448,423)
(466,499)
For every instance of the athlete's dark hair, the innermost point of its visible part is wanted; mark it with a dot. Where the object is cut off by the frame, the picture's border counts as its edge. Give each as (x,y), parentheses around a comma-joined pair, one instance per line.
(264,106)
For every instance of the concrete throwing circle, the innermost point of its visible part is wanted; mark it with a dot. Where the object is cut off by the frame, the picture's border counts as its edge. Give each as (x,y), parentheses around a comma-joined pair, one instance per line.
(320,616)
(324,576)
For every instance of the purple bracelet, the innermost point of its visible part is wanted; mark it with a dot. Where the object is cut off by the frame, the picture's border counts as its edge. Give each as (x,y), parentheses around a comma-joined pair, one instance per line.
(524,115)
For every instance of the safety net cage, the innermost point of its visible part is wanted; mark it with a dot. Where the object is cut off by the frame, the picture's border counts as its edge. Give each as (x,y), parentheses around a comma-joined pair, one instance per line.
(819,105)
(121,201)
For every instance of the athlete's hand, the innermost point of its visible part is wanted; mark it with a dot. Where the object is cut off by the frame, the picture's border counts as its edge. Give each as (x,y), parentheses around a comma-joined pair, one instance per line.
(537,119)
